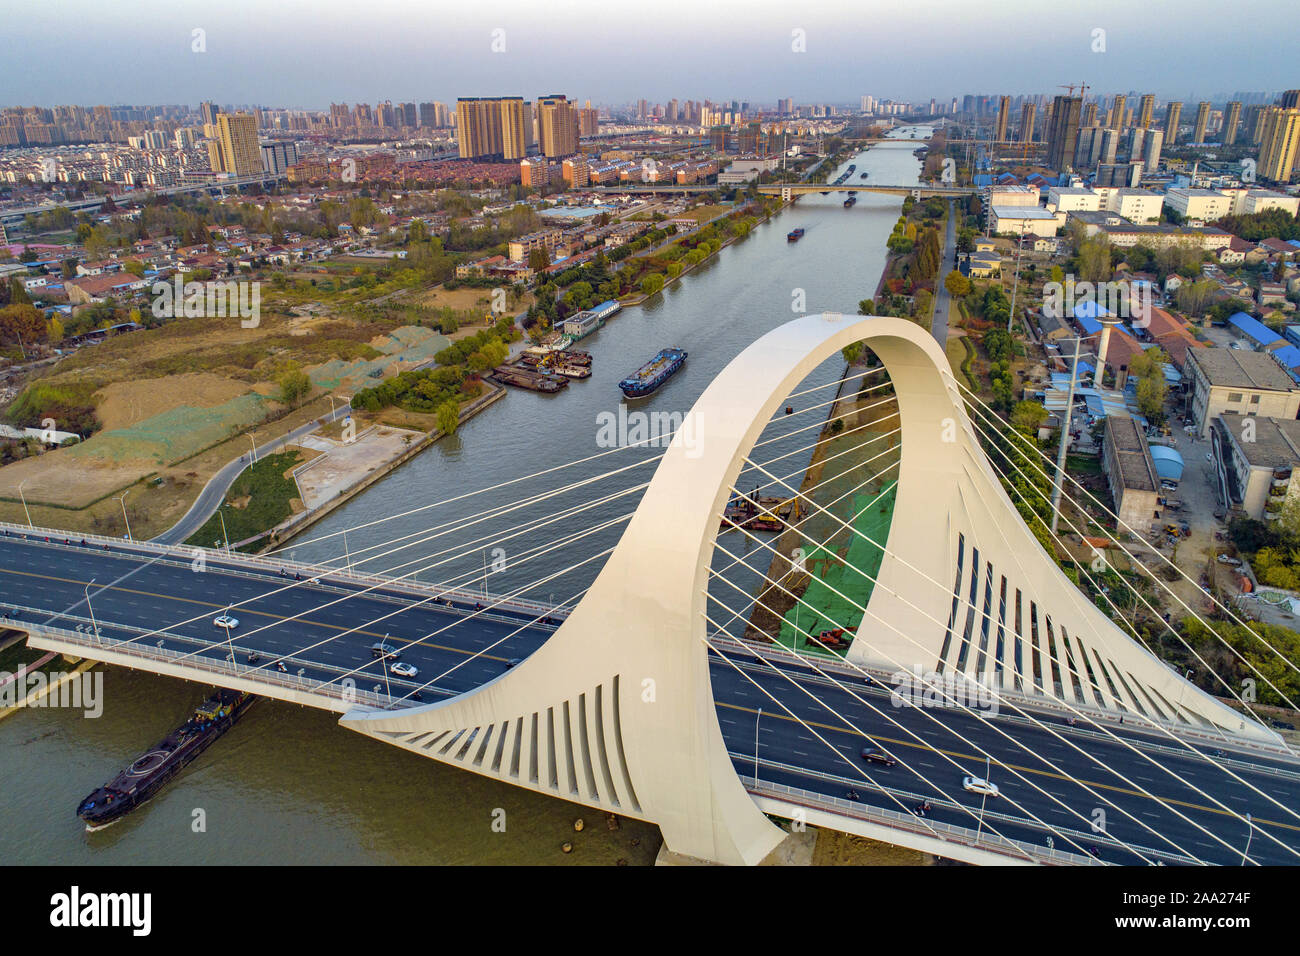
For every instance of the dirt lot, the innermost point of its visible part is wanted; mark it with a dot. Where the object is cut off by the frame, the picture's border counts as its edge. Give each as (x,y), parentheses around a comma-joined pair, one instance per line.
(123,404)
(151,508)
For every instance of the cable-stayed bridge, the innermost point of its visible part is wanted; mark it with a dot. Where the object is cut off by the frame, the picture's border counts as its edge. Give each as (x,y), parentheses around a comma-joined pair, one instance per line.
(698,679)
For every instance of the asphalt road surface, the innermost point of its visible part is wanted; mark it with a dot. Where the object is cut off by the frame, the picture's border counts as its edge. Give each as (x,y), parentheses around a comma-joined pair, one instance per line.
(1158,798)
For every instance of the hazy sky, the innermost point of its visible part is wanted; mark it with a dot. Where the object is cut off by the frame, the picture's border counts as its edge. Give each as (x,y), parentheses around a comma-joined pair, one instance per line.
(296,53)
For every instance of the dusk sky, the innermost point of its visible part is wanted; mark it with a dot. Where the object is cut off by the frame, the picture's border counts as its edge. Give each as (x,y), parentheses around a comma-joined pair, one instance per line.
(301,54)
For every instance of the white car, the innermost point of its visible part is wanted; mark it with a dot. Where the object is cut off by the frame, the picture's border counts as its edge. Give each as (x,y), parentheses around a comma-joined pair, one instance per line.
(1226,559)
(979,785)
(226,621)
(403,669)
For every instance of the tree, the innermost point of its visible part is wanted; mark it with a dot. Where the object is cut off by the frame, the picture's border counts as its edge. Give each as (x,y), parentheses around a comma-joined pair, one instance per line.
(958,285)
(867,307)
(652,284)
(294,386)
(1093,256)
(538,259)
(1027,417)
(1151,388)
(448,415)
(22,322)
(1194,296)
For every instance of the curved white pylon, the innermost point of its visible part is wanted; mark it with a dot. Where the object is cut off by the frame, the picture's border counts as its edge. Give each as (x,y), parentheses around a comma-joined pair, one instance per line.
(616,709)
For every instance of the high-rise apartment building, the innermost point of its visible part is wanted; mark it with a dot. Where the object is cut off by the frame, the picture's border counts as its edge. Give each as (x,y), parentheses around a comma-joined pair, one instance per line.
(1027,122)
(1004,108)
(239,150)
(1202,122)
(1063,131)
(1146,111)
(1115,119)
(340,115)
(208,112)
(278,157)
(1279,143)
(1291,100)
(1172,117)
(1231,123)
(557,126)
(497,126)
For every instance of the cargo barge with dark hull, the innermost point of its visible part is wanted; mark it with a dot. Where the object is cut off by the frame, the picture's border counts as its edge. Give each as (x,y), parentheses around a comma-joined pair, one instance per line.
(519,377)
(150,771)
(650,376)
(561,362)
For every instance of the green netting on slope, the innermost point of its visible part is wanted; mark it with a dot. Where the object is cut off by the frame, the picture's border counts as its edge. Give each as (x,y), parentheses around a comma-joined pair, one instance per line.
(176,434)
(823,607)
(408,343)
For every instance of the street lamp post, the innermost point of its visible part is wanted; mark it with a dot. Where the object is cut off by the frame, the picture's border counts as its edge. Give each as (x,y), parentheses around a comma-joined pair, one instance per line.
(24,497)
(1250,832)
(253,459)
(385,665)
(221,514)
(93,623)
(988,774)
(756,720)
(121,499)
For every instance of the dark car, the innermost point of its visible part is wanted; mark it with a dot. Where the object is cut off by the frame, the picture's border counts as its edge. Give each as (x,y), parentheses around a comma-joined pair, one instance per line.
(876,756)
(1282,725)
(386,651)
(513,661)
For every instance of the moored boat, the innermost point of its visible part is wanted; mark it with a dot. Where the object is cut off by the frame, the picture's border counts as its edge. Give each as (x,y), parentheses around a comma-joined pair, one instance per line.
(654,373)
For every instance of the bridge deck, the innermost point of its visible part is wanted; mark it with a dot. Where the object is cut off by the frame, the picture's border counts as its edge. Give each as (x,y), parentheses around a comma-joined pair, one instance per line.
(154,611)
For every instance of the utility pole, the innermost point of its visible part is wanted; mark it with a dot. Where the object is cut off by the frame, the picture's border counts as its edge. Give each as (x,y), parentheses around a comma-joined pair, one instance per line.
(1065,439)
(1015,283)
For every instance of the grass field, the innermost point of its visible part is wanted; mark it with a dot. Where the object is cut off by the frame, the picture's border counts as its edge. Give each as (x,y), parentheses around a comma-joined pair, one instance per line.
(260,498)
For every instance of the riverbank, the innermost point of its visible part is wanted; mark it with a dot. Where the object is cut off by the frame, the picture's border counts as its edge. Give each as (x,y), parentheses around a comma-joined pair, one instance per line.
(339,469)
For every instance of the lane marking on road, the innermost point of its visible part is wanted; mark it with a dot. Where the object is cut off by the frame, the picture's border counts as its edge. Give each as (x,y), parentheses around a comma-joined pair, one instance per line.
(248,610)
(1166,801)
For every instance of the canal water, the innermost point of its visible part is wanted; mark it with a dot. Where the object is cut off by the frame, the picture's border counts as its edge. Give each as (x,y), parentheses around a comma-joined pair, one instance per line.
(287,784)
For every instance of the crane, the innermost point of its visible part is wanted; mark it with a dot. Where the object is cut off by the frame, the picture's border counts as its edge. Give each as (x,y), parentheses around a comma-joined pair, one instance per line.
(1082,87)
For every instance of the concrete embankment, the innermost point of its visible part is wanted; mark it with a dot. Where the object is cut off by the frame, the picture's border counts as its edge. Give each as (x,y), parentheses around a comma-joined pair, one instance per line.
(300,522)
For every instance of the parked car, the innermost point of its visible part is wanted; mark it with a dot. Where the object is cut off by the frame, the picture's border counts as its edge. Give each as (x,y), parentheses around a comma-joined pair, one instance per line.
(1226,559)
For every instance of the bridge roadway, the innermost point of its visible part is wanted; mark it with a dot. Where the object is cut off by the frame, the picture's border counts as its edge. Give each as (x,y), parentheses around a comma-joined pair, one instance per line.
(135,197)
(145,588)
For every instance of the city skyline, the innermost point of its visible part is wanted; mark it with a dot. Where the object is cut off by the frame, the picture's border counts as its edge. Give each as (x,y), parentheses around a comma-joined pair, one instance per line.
(302,57)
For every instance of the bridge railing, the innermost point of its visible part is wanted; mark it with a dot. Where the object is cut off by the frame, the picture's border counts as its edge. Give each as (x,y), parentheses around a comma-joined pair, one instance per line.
(901,821)
(1032,702)
(967,835)
(96,639)
(322,573)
